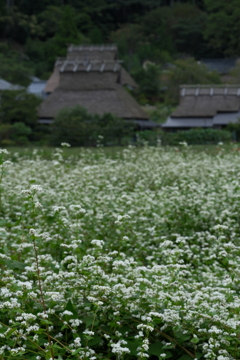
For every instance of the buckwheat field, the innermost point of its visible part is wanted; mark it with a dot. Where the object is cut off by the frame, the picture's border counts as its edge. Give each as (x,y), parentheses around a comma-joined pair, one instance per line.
(131,256)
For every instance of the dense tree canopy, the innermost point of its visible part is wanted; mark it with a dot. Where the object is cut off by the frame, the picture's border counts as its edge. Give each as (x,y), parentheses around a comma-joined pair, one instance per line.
(159,31)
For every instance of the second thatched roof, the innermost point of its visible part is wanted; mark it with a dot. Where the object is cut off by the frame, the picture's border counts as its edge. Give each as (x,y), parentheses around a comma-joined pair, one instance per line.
(207,101)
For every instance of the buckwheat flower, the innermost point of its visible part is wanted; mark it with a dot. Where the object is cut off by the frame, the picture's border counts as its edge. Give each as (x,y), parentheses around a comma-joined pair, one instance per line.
(183,143)
(143,355)
(7,162)
(33,232)
(98,243)
(77,341)
(121,217)
(26,192)
(88,332)
(36,188)
(145,327)
(66,312)
(65,144)
(4,151)
(38,205)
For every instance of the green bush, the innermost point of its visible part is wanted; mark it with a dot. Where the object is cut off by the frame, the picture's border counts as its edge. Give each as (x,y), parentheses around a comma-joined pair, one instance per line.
(191,137)
(79,128)
(196,137)
(16,134)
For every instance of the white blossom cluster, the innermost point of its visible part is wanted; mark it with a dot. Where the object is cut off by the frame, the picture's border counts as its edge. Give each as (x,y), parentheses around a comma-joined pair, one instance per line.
(121,256)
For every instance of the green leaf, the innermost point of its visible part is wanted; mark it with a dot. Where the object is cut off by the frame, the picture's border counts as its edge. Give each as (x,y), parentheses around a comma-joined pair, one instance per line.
(170,346)
(88,320)
(70,307)
(10,333)
(168,354)
(14,264)
(46,322)
(185,357)
(133,345)
(195,340)
(77,351)
(96,340)
(155,349)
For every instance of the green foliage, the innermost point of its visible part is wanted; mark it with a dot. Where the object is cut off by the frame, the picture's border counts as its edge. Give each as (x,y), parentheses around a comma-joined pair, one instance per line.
(190,137)
(196,137)
(15,134)
(187,27)
(148,80)
(186,72)
(159,112)
(19,106)
(234,128)
(14,67)
(79,128)
(67,32)
(18,117)
(222,26)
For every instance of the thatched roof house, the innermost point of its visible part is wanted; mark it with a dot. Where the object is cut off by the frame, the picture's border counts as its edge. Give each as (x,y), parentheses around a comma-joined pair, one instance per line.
(96,85)
(205,106)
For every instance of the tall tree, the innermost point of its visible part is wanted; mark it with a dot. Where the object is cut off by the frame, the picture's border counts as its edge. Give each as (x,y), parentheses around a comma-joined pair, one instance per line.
(223,26)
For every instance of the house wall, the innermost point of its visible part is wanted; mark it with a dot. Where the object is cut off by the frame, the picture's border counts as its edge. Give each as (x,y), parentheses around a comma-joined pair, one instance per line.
(87,80)
(92,55)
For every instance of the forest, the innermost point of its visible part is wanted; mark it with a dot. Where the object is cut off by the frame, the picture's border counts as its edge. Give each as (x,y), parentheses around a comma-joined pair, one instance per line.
(161,43)
(159,31)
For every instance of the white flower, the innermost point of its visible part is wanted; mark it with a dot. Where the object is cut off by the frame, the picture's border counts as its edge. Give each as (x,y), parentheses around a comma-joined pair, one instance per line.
(65,144)
(33,232)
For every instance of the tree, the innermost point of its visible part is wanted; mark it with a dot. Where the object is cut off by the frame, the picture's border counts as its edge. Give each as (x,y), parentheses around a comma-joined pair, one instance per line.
(223,26)
(186,72)
(14,67)
(148,80)
(19,106)
(187,25)
(18,117)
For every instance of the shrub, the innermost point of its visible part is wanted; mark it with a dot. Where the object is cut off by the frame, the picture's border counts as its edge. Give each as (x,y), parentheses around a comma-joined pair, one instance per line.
(79,128)
(196,137)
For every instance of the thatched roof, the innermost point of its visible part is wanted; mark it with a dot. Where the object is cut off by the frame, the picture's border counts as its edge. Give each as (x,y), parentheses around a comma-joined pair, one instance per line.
(126,79)
(53,81)
(116,101)
(207,101)
(88,66)
(96,66)
(93,52)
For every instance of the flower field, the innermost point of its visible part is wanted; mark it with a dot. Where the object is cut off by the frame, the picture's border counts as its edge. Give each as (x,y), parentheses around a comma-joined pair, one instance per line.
(134,256)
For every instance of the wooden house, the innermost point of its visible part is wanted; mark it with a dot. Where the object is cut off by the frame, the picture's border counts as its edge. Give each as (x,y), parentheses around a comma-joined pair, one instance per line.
(94,81)
(96,86)
(212,106)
